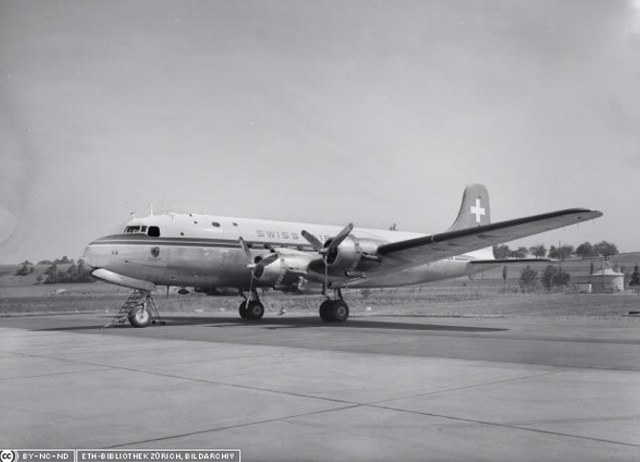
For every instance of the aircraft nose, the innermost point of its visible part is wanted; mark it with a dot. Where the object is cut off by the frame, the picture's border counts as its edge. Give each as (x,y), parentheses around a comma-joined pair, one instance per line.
(89,256)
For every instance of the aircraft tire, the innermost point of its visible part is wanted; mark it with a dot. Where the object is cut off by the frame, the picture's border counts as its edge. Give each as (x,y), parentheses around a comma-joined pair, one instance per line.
(242,310)
(334,311)
(325,308)
(141,317)
(339,311)
(255,310)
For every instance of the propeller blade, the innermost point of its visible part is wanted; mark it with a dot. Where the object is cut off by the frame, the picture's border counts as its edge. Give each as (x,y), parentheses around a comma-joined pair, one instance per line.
(325,252)
(266,261)
(262,264)
(245,247)
(314,241)
(325,282)
(341,236)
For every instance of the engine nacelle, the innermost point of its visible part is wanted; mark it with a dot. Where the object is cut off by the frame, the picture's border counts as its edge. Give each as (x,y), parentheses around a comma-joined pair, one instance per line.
(287,270)
(351,253)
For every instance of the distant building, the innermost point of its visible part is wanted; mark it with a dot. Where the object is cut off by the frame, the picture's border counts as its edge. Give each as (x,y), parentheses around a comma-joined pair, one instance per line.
(603,281)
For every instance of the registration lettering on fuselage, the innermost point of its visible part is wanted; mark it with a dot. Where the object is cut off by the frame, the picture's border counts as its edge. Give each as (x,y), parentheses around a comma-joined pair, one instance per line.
(277,234)
(285,235)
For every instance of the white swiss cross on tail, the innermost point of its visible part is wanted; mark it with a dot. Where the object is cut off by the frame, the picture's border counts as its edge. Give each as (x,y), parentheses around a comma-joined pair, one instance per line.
(477,210)
(474,210)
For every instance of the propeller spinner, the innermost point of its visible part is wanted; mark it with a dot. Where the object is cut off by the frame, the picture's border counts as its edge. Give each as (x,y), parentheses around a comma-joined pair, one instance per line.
(258,264)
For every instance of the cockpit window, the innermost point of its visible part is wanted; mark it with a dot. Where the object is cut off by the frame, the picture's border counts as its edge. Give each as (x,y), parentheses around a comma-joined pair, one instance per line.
(135,229)
(153,231)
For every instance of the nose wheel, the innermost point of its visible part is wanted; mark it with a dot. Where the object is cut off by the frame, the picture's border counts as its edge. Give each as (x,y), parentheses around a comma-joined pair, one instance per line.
(140,310)
(140,317)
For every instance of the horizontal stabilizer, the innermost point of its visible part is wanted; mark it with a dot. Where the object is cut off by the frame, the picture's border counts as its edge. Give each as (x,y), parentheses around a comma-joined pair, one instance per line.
(511,261)
(124,281)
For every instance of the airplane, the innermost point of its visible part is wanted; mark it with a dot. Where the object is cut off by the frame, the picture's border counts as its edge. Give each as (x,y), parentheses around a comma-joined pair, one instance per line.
(214,253)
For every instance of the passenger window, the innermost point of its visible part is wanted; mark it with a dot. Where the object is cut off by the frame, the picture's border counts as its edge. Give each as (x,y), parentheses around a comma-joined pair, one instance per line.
(215,224)
(154,231)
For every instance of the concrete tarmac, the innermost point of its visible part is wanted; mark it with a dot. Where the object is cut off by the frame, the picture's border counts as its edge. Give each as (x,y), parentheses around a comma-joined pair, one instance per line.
(376,388)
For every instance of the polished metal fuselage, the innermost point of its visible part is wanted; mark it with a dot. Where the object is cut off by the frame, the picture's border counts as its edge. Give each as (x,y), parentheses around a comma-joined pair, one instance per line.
(203,251)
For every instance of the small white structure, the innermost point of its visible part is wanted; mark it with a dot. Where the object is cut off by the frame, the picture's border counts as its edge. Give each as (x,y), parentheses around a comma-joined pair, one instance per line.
(607,280)
(584,287)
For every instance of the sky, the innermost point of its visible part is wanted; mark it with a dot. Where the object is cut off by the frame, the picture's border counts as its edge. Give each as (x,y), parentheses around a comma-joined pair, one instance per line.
(371,112)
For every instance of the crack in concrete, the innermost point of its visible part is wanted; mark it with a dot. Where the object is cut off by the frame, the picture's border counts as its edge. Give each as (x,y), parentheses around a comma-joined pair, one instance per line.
(509,426)
(469,387)
(348,404)
(230,427)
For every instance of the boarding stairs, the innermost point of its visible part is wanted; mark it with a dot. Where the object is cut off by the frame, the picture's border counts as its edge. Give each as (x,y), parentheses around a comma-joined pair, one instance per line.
(139,299)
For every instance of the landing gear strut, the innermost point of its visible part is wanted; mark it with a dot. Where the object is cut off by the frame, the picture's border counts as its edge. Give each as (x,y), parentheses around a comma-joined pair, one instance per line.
(251,307)
(335,310)
(139,309)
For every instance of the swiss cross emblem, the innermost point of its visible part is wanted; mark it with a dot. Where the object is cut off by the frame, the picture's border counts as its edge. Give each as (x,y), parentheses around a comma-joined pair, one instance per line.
(477,210)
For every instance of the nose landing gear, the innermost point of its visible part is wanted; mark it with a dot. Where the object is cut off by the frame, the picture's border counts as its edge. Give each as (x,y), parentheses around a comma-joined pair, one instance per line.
(140,310)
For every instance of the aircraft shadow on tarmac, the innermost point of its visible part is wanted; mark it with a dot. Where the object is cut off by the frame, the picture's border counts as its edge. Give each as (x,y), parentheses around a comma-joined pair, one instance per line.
(274,323)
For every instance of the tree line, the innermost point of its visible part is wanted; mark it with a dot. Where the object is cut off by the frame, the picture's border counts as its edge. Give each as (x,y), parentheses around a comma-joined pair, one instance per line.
(552,276)
(72,272)
(562,252)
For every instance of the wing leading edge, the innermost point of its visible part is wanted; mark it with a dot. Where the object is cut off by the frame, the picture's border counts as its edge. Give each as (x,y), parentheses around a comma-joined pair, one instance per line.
(460,241)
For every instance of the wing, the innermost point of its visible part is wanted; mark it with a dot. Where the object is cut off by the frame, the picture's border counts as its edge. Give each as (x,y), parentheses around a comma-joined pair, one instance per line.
(435,247)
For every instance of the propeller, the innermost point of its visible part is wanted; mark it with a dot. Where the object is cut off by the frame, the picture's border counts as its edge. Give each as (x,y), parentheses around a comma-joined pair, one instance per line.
(258,264)
(328,249)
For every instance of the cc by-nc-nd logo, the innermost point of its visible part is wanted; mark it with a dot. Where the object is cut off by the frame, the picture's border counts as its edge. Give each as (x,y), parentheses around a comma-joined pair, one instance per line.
(7,455)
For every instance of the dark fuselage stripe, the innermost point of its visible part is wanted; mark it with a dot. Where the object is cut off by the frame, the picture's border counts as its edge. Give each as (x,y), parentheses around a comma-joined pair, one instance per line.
(180,244)
(229,244)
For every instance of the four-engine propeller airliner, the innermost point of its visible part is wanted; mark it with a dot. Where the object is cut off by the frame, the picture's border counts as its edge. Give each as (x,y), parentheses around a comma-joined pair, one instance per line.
(213,253)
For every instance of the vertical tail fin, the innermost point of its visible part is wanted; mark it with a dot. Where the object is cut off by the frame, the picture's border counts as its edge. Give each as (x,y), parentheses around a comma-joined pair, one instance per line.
(474,210)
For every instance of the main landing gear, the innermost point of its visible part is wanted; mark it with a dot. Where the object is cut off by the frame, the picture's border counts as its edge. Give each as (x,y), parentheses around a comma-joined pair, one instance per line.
(251,307)
(335,310)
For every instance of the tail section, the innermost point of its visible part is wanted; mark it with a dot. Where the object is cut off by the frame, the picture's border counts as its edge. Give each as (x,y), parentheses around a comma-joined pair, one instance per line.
(474,210)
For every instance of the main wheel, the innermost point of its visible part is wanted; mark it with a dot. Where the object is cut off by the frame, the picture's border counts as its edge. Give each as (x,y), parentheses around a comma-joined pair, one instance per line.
(325,307)
(242,310)
(255,310)
(140,317)
(339,311)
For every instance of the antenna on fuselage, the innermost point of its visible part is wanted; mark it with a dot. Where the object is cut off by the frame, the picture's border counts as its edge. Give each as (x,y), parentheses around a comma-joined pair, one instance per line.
(150,209)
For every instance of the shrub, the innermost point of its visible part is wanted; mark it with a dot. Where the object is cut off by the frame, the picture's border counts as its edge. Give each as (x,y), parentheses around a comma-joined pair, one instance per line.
(554,277)
(528,279)
(635,276)
(25,269)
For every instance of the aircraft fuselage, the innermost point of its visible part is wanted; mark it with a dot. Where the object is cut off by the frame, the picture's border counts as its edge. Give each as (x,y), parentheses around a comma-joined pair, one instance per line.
(203,251)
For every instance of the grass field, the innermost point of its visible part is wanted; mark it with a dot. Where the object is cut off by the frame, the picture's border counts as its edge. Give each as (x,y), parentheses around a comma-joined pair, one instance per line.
(485,295)
(436,300)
